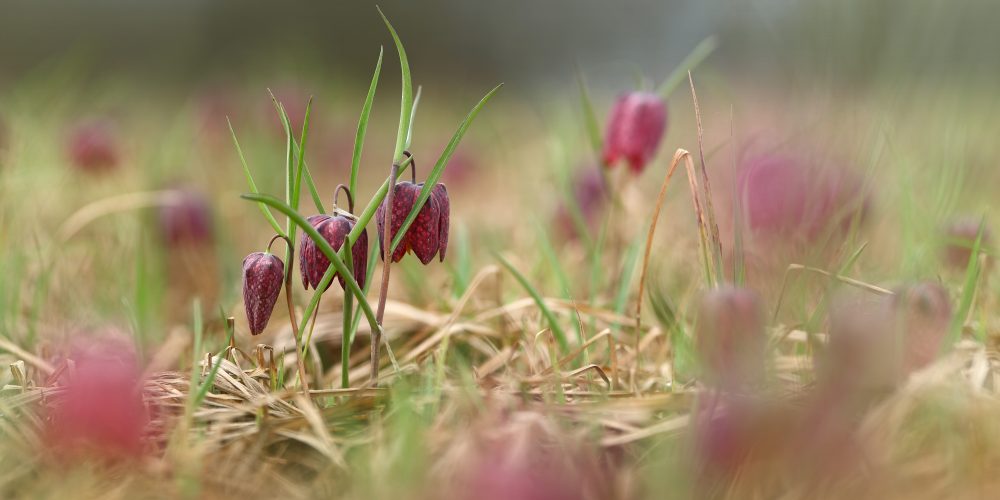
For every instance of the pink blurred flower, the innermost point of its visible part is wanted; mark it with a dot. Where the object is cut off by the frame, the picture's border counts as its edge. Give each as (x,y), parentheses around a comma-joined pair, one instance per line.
(960,237)
(591,197)
(730,337)
(101,410)
(187,220)
(635,128)
(784,197)
(92,146)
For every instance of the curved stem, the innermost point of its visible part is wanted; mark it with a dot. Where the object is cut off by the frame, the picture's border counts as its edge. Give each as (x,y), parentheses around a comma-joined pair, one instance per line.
(291,309)
(413,165)
(277,236)
(350,198)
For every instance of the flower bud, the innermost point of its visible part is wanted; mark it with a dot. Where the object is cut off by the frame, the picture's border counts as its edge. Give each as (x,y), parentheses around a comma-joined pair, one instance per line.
(635,128)
(730,337)
(263,274)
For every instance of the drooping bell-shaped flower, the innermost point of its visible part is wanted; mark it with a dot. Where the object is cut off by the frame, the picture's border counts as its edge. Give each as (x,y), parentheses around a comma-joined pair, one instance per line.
(590,195)
(730,337)
(635,128)
(263,274)
(306,248)
(428,235)
(93,147)
(187,219)
(100,412)
(334,230)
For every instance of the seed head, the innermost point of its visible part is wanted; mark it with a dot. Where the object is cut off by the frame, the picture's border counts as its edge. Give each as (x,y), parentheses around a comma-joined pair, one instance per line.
(263,274)
(635,128)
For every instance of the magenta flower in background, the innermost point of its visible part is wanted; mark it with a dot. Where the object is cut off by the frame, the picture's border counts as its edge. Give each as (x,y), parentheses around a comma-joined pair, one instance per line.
(187,219)
(263,274)
(591,197)
(101,410)
(786,198)
(635,128)
(960,237)
(92,146)
(730,337)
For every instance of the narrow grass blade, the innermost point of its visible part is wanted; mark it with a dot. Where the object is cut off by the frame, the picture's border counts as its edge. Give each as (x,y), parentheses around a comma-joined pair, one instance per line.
(253,185)
(366,111)
(968,290)
(557,268)
(406,99)
(557,330)
(210,379)
(697,55)
(435,173)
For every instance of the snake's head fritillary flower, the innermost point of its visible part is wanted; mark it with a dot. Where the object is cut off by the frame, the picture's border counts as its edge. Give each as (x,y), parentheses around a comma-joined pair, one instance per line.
(334,230)
(101,410)
(93,147)
(307,251)
(428,235)
(187,219)
(635,128)
(263,274)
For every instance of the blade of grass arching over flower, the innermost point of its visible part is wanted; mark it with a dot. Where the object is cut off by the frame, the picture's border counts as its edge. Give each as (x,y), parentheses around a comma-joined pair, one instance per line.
(589,115)
(406,99)
(968,290)
(324,247)
(557,330)
(253,185)
(359,137)
(697,55)
(442,162)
